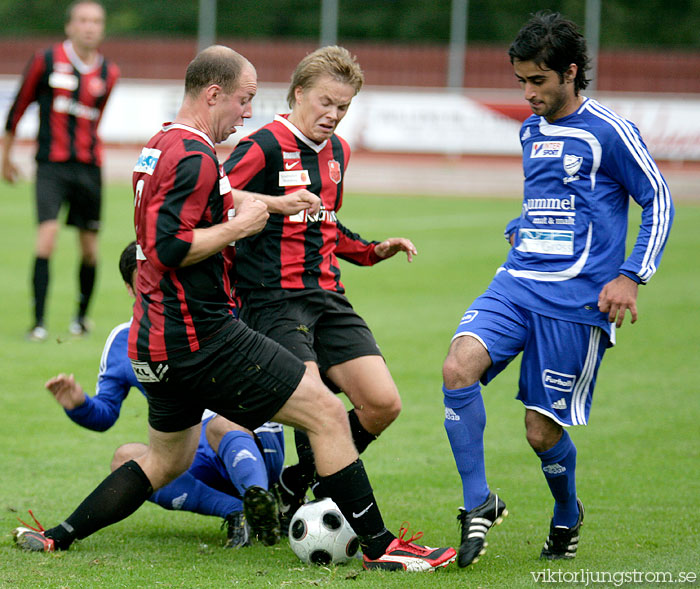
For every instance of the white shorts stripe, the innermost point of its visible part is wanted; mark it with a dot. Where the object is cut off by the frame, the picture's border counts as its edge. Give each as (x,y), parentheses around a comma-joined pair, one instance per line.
(583,386)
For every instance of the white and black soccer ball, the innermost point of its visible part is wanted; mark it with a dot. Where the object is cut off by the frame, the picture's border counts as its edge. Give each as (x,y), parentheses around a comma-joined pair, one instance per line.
(319,534)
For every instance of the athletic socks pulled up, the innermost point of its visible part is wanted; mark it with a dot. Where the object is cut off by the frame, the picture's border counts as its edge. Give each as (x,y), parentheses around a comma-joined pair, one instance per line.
(187,493)
(40,286)
(86,277)
(351,491)
(559,468)
(300,476)
(115,498)
(465,421)
(243,460)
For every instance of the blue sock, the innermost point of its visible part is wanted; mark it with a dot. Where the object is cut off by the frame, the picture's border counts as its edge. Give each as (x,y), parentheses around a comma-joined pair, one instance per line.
(186,493)
(559,468)
(243,461)
(465,420)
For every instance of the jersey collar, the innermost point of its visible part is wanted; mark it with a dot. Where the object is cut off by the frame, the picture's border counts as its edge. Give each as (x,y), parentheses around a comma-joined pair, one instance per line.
(317,147)
(78,63)
(170,126)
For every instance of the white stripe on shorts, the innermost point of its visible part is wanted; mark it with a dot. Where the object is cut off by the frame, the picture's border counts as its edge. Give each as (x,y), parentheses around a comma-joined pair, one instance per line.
(582,388)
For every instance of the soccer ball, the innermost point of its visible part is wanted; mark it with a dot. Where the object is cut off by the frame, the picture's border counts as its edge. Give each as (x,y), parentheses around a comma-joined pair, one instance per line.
(319,534)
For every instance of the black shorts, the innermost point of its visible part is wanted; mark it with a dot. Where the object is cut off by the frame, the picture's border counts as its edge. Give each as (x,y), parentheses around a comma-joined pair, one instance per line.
(80,185)
(315,325)
(238,374)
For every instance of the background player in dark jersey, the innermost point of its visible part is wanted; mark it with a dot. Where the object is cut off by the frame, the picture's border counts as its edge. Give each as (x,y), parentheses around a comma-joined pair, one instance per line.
(71,83)
(288,275)
(565,286)
(188,349)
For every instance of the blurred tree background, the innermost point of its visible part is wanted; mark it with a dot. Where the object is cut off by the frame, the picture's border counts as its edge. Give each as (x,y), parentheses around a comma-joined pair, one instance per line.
(673,24)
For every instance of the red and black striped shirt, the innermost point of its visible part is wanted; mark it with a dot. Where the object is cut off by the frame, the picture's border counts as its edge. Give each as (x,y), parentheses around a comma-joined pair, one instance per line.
(71,98)
(299,251)
(178,186)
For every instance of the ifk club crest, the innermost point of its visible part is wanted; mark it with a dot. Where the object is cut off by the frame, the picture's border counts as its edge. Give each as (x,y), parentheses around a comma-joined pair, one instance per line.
(334,170)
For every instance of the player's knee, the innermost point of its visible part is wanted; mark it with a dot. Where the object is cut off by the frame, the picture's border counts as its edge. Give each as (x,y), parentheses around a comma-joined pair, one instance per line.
(126,452)
(329,415)
(382,408)
(218,427)
(542,435)
(455,374)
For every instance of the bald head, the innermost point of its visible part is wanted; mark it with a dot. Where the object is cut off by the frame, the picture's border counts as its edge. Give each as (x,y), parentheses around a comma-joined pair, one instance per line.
(215,65)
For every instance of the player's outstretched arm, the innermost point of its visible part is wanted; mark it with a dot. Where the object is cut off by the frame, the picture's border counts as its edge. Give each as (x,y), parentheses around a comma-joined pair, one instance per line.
(617,297)
(66,390)
(393,245)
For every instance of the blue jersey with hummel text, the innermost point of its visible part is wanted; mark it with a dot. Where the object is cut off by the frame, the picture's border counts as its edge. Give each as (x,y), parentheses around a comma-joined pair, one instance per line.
(580,173)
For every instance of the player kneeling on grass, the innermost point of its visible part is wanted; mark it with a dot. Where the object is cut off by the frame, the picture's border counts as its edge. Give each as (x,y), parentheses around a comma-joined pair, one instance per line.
(188,349)
(565,286)
(233,467)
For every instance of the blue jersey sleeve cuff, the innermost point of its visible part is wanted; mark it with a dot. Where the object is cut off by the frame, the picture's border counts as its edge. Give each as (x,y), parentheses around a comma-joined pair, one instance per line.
(80,410)
(631,276)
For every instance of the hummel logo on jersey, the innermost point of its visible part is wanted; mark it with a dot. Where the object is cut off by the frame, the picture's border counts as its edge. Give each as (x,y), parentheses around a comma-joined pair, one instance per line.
(547,149)
(243,455)
(365,510)
(450,415)
(560,404)
(290,165)
(554,469)
(178,502)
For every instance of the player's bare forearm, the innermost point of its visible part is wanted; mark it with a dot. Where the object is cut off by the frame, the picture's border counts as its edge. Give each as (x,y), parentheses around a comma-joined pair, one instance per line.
(293,203)
(617,297)
(393,245)
(250,219)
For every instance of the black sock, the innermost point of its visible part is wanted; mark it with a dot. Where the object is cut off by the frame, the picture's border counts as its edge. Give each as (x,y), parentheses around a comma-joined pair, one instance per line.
(40,284)
(87,284)
(352,493)
(298,477)
(116,497)
(360,435)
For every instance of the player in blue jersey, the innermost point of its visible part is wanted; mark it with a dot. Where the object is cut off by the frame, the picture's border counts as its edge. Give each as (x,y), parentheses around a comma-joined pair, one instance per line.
(232,469)
(565,286)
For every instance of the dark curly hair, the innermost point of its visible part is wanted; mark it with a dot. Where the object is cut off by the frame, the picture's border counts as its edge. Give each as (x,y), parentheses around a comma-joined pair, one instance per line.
(550,39)
(127,263)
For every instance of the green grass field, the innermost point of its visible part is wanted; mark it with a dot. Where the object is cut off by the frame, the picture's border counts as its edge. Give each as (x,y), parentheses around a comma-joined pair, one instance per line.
(638,458)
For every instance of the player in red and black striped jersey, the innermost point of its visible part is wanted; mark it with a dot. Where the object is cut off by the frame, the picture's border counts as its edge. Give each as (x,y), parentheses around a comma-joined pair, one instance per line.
(179,187)
(288,275)
(71,83)
(188,350)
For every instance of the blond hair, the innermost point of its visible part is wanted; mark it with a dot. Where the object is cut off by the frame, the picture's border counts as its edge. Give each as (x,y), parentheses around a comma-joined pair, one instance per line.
(333,61)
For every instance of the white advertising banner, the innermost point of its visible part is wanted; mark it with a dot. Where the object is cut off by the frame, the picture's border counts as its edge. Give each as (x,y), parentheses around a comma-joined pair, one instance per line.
(392,120)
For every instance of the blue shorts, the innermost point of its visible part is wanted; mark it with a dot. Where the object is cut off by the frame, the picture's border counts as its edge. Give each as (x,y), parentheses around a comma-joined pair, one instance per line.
(560,359)
(208,468)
